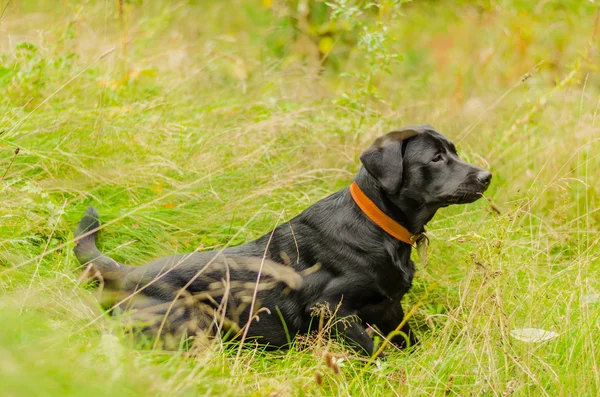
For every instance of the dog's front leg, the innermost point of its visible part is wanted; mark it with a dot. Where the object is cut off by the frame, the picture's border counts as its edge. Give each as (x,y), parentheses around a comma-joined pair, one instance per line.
(349,326)
(342,297)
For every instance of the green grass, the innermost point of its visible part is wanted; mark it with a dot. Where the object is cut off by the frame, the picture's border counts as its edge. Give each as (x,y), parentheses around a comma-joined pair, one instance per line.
(197,124)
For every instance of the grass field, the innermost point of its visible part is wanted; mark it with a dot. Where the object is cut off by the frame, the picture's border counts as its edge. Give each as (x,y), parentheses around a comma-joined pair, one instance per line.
(194,125)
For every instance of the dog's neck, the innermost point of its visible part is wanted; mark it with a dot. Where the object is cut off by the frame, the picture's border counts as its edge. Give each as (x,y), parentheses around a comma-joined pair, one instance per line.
(404,210)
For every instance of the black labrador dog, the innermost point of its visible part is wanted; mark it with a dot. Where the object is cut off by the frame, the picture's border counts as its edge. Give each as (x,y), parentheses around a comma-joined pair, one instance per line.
(349,252)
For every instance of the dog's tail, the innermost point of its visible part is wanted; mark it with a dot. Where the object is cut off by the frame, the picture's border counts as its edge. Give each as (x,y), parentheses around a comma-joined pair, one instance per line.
(88,254)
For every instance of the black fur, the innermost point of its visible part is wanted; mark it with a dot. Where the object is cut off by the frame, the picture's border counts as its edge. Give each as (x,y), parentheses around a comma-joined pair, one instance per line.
(363,272)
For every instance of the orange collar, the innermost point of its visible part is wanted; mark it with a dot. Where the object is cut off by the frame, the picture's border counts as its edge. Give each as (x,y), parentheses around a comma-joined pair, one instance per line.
(392,227)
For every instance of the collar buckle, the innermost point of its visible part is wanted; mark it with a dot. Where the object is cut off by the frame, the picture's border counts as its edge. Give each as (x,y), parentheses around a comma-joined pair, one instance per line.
(416,238)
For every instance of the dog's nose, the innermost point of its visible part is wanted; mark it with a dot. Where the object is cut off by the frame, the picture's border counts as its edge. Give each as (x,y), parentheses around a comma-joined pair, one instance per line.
(484,178)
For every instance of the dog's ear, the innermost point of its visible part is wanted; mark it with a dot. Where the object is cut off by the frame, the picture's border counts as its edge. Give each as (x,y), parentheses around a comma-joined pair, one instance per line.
(383,159)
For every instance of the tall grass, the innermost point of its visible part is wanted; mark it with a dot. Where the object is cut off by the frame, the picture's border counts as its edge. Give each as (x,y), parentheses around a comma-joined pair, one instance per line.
(195,125)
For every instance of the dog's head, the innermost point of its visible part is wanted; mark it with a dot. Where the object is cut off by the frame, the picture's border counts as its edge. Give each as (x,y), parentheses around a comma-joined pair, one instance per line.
(420,164)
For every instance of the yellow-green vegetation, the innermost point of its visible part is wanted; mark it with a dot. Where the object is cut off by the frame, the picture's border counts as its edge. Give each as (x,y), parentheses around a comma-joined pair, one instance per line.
(192,125)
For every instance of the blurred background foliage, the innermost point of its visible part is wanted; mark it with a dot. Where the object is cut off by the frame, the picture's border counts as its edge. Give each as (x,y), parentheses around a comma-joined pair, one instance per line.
(481,46)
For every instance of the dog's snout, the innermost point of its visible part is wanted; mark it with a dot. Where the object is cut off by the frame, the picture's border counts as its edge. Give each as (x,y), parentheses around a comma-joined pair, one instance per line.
(484,177)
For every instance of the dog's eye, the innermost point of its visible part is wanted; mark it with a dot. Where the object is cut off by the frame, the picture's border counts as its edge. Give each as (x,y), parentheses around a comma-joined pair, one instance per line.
(438,157)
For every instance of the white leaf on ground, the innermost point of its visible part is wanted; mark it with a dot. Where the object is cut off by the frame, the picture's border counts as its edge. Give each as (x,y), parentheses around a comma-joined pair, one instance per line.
(532,334)
(588,299)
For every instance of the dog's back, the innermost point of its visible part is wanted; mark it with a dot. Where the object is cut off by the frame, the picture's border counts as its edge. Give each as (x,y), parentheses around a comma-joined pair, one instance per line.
(183,295)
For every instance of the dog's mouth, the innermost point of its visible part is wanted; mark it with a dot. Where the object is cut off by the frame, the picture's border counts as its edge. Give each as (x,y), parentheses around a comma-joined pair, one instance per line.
(464,196)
